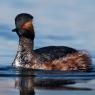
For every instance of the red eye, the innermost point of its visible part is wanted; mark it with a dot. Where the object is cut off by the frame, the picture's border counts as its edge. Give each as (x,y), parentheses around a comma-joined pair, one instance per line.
(22,25)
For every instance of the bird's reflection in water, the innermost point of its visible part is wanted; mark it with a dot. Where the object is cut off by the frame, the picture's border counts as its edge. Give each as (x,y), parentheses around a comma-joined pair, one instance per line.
(27,84)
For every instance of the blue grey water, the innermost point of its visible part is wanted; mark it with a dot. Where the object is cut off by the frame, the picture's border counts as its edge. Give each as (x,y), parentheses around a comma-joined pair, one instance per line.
(57,22)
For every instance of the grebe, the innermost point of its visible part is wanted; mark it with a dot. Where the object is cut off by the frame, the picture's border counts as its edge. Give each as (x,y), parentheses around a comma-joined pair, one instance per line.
(46,58)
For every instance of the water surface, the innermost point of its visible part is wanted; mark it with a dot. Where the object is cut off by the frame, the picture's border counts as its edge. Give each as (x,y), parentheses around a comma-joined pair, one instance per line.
(57,22)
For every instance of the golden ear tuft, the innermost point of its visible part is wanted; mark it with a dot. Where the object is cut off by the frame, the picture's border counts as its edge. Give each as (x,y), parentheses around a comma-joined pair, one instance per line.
(28,25)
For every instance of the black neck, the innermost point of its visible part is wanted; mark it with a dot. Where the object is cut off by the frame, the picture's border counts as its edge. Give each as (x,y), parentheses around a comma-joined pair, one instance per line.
(25,44)
(25,52)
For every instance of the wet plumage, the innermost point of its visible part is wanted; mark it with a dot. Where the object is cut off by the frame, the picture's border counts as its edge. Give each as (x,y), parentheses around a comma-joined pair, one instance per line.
(47,58)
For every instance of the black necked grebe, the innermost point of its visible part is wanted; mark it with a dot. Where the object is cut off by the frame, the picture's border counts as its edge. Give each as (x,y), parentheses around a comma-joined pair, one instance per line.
(47,58)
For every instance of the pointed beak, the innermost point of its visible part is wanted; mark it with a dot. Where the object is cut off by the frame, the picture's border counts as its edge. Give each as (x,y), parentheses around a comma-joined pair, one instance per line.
(14,30)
